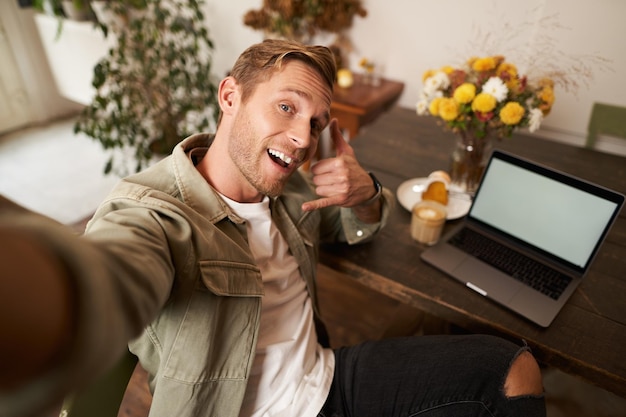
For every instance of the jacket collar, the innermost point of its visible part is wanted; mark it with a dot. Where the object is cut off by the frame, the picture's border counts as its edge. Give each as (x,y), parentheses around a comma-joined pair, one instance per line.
(195,191)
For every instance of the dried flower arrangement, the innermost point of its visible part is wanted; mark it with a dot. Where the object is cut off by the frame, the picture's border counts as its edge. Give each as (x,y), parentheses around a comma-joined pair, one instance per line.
(302,19)
(547,59)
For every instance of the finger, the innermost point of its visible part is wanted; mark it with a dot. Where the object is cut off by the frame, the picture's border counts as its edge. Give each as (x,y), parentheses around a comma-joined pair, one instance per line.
(340,143)
(319,203)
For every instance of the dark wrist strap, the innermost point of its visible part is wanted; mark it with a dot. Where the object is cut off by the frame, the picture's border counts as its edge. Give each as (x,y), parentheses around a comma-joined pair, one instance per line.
(379,191)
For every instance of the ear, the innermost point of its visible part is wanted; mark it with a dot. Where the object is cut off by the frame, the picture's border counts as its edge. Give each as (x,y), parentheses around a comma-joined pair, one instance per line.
(228,95)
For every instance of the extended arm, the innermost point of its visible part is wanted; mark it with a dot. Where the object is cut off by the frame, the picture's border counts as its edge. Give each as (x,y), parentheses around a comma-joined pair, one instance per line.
(37,307)
(68,304)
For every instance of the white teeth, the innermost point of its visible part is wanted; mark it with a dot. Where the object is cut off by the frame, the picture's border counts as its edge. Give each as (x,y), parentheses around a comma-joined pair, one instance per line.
(281,156)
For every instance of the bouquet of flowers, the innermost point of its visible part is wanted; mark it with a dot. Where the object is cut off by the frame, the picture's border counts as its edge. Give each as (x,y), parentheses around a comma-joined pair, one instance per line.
(485,97)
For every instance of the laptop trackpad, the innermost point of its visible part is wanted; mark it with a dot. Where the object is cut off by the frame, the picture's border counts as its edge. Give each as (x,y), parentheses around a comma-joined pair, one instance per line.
(487,280)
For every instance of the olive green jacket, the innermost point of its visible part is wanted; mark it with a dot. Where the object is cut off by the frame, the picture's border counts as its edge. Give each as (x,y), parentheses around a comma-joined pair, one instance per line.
(190,250)
(174,267)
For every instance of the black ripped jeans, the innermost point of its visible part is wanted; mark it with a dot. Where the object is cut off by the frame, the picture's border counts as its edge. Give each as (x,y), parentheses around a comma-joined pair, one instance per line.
(428,376)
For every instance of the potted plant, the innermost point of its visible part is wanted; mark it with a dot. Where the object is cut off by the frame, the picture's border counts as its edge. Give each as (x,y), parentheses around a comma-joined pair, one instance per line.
(49,7)
(155,87)
(112,12)
(79,10)
(71,9)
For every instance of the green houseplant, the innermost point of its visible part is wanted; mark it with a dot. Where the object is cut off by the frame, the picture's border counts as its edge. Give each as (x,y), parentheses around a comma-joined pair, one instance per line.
(49,7)
(155,86)
(79,10)
(70,9)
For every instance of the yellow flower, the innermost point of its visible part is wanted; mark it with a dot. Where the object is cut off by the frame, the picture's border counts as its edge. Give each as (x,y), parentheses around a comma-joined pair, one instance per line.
(512,113)
(508,68)
(484,64)
(546,82)
(433,108)
(499,59)
(465,93)
(484,103)
(508,73)
(428,74)
(547,99)
(447,69)
(514,85)
(448,109)
(547,95)
(367,65)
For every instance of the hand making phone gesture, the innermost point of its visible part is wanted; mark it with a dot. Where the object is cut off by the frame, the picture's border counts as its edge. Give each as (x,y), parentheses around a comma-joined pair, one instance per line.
(341,181)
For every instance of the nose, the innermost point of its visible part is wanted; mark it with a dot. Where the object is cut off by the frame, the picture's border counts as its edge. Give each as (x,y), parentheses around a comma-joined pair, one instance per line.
(300,133)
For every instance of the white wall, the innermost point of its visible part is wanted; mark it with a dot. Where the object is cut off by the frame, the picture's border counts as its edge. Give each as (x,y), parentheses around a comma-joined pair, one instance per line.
(37,86)
(73,55)
(407,37)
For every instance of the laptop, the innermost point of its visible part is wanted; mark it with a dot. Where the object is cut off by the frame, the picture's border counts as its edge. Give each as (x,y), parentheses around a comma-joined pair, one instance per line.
(529,237)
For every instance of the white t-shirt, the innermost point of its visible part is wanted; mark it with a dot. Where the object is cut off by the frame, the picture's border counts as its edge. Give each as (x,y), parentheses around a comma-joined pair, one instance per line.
(291,373)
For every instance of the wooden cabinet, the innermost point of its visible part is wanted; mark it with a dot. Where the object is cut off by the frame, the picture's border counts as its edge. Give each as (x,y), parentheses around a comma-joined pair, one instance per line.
(363,102)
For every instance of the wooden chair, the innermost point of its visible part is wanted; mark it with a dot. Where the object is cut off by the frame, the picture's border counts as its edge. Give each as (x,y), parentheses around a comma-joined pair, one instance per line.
(606,119)
(103,397)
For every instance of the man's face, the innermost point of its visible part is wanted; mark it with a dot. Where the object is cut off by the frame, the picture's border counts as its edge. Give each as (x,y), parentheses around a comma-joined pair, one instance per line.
(278,127)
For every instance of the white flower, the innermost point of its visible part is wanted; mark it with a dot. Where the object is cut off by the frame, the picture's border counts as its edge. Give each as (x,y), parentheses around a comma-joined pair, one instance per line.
(424,100)
(422,107)
(429,87)
(535,119)
(496,87)
(438,81)
(443,79)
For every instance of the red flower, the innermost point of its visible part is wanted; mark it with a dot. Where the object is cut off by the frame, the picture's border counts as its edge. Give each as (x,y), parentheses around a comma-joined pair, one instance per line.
(484,117)
(457,77)
(522,82)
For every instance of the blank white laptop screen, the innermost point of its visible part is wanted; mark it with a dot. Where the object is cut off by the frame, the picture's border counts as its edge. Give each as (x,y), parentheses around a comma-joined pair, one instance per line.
(562,220)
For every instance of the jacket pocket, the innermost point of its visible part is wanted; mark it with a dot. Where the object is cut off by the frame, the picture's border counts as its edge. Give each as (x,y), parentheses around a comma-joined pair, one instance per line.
(216,338)
(233,279)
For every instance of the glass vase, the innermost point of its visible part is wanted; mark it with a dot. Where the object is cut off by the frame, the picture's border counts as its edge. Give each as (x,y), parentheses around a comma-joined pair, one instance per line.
(469,159)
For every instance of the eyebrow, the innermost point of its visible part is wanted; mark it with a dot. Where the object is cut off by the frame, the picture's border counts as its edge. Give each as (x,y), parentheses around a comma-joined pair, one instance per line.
(325,117)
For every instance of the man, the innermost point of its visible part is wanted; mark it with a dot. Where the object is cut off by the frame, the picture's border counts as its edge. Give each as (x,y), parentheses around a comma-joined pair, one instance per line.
(209,257)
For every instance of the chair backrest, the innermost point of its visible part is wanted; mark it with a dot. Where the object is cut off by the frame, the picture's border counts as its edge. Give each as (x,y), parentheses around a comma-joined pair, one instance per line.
(103,397)
(606,119)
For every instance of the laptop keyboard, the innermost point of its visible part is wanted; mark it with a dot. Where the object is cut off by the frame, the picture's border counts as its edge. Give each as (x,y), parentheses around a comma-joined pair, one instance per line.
(535,274)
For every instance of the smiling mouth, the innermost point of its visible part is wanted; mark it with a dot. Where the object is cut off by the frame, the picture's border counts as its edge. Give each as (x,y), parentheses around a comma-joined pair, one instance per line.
(280,158)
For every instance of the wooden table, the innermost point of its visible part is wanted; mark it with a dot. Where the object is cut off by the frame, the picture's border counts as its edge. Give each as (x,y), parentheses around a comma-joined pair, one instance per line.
(587,338)
(362,103)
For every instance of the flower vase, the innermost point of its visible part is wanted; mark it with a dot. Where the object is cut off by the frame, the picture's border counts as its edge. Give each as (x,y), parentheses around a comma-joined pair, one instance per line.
(469,159)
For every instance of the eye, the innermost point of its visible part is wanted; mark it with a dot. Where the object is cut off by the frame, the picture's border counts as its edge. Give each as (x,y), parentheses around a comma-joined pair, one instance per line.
(316,128)
(285,107)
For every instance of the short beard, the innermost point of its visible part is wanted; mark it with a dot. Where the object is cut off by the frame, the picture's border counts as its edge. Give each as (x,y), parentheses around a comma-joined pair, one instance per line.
(239,152)
(271,190)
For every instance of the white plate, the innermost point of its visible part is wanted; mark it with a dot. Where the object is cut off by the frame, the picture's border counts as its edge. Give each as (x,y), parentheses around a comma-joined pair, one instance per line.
(410,192)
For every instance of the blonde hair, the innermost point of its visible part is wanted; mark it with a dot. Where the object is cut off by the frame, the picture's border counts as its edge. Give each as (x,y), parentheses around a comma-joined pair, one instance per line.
(260,61)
